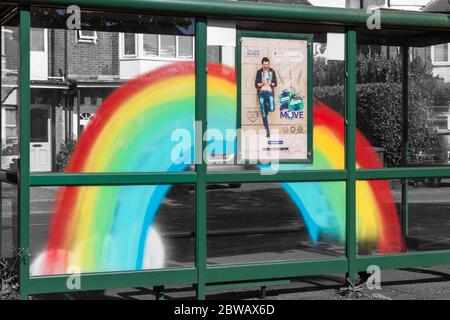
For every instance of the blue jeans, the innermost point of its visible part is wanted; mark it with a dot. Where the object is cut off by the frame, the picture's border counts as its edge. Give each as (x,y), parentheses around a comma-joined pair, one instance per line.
(267,104)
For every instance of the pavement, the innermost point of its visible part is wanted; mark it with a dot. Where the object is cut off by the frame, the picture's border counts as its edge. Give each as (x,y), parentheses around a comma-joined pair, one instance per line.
(405,284)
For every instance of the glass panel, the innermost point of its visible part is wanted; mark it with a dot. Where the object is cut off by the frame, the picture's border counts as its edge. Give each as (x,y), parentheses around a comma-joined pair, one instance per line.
(378,217)
(151,45)
(428,214)
(116,112)
(214,54)
(10,142)
(429,108)
(441,53)
(10,132)
(129,43)
(99,229)
(328,92)
(379,106)
(10,117)
(168,46)
(9,95)
(380,99)
(185,47)
(275,222)
(39,126)
(9,220)
(87,33)
(37,40)
(421,223)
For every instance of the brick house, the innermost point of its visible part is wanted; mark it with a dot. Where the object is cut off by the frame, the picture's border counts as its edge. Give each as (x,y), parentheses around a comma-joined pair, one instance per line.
(72,73)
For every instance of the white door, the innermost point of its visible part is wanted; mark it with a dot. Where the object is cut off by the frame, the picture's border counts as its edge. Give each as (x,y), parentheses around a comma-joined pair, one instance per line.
(40,138)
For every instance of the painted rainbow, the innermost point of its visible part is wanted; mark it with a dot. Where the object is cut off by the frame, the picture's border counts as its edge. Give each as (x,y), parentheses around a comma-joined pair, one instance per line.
(100,229)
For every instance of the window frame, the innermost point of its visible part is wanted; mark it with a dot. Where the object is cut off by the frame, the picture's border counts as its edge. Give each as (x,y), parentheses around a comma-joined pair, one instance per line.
(141,53)
(5,125)
(178,48)
(158,49)
(122,46)
(44,40)
(440,63)
(86,39)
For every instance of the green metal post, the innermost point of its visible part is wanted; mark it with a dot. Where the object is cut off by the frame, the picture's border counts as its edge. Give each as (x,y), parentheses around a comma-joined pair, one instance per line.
(405,138)
(350,149)
(24,164)
(200,145)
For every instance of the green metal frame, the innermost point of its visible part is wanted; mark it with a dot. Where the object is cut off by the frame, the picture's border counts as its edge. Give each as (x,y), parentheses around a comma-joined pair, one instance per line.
(405,137)
(309,107)
(200,145)
(261,11)
(350,148)
(24,147)
(202,275)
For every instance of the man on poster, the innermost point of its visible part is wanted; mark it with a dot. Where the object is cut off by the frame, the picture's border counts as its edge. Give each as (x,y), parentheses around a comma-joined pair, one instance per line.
(265,82)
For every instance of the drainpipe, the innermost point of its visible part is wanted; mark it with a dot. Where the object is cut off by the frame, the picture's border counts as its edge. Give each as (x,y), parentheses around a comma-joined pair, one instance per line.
(52,57)
(66,75)
(2,45)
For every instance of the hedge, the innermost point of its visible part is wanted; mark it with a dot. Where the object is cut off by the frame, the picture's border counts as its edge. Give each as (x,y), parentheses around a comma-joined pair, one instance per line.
(379,116)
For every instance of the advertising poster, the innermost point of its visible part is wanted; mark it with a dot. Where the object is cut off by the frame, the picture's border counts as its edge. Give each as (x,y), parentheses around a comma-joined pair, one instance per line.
(274,100)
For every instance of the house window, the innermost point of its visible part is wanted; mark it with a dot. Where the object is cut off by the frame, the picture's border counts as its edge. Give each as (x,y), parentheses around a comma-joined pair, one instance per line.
(159,46)
(37,40)
(85,116)
(214,54)
(129,44)
(87,36)
(151,45)
(440,53)
(10,125)
(185,47)
(168,46)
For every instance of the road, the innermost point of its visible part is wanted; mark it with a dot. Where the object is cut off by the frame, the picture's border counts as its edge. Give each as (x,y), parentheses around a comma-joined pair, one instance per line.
(253,223)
